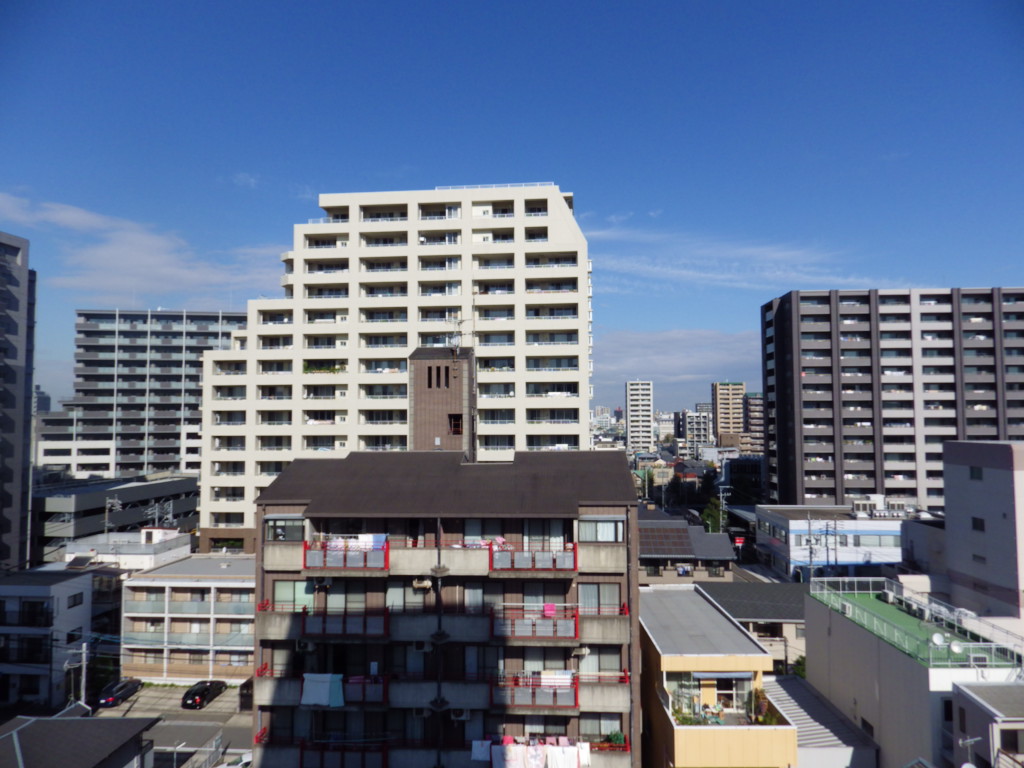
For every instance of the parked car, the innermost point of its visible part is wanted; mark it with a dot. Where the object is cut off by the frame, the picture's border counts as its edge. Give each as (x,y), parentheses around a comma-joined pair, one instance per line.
(202,693)
(116,692)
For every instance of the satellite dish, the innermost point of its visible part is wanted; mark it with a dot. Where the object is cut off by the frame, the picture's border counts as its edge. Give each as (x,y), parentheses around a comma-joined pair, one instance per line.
(956,647)
(938,639)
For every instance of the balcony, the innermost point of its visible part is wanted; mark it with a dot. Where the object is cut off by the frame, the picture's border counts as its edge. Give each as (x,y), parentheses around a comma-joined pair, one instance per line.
(358,553)
(275,688)
(532,557)
(554,689)
(520,621)
(290,621)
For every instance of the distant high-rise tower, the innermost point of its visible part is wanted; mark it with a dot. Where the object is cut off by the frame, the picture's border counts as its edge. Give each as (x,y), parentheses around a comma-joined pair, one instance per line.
(17,340)
(862,388)
(753,423)
(456,318)
(137,392)
(639,416)
(727,401)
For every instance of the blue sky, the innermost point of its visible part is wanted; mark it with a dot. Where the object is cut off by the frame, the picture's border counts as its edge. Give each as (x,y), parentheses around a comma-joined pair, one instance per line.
(721,153)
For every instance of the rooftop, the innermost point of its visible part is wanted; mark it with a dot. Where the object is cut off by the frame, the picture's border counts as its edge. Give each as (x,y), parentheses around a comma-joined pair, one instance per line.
(932,632)
(442,484)
(205,566)
(70,742)
(44,576)
(679,540)
(1005,699)
(759,600)
(682,621)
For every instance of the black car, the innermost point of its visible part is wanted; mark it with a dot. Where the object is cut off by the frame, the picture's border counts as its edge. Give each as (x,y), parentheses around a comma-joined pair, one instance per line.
(119,690)
(202,693)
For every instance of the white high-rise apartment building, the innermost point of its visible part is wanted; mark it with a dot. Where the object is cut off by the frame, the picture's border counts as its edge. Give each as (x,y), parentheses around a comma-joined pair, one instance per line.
(639,416)
(455,318)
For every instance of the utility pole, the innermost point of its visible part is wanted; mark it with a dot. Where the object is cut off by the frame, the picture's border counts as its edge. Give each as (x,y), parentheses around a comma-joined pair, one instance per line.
(722,490)
(810,549)
(85,671)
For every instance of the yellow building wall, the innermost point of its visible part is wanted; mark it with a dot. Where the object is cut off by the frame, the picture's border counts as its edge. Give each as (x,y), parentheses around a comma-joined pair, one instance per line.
(722,746)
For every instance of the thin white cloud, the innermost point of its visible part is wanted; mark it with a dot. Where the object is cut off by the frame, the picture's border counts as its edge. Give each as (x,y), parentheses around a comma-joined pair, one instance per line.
(663,260)
(247,180)
(618,218)
(109,261)
(656,213)
(682,363)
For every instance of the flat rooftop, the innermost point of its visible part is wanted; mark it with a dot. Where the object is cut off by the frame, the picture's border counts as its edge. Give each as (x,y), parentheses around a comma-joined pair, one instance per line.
(682,621)
(930,631)
(205,567)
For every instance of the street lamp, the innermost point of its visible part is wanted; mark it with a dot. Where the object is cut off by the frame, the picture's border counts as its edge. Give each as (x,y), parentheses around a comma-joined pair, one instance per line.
(183,744)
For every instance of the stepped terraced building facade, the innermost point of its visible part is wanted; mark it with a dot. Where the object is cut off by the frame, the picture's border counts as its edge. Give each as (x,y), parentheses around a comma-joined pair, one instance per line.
(454,319)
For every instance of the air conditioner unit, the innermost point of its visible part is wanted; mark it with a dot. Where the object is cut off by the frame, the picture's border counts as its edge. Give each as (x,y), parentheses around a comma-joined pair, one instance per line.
(305,646)
(421,646)
(323,581)
(460,714)
(421,583)
(421,712)
(978,659)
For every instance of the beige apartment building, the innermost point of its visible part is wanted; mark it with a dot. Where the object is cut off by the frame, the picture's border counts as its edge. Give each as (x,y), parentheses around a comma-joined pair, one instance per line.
(456,318)
(727,400)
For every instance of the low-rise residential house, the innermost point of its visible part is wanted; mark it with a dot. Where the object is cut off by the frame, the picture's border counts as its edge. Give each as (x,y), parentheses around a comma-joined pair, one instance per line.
(671,549)
(772,612)
(703,694)
(190,620)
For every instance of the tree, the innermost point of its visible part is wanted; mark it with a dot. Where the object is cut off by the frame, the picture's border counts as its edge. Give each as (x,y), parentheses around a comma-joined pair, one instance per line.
(712,516)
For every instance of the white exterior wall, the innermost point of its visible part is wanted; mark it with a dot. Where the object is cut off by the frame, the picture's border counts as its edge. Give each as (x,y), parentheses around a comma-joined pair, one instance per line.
(639,416)
(498,296)
(868,679)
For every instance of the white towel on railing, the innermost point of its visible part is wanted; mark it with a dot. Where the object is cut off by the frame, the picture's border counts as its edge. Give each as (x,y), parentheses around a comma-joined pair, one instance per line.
(316,690)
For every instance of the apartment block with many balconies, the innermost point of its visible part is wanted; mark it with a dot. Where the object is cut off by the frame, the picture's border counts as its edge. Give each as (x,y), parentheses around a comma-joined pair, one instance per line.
(418,610)
(190,620)
(862,388)
(496,278)
(639,415)
(137,393)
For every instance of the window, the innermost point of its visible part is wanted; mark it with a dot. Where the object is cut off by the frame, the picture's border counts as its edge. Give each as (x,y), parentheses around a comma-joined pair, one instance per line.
(977,523)
(600,599)
(610,531)
(597,726)
(962,719)
(454,423)
(283,530)
(76,599)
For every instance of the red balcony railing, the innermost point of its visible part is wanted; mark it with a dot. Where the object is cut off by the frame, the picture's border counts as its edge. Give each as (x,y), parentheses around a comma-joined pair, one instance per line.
(549,620)
(540,689)
(261,736)
(506,556)
(346,554)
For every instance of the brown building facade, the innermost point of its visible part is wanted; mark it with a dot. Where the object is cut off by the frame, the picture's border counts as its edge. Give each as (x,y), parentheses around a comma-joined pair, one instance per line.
(415,609)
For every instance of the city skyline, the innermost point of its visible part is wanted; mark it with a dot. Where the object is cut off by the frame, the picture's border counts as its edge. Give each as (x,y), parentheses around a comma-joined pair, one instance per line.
(723,156)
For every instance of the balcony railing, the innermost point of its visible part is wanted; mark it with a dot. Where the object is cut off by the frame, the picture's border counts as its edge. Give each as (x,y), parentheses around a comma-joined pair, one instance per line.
(347,553)
(557,688)
(505,556)
(333,622)
(521,621)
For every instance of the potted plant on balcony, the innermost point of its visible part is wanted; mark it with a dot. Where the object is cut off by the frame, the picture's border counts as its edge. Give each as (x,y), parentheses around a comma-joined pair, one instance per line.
(615,737)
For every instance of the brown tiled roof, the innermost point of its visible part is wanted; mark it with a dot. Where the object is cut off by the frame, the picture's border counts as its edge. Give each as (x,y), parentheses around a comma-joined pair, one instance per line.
(442,484)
